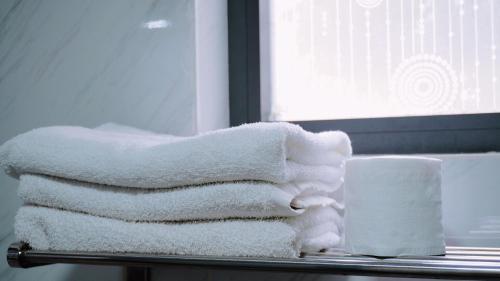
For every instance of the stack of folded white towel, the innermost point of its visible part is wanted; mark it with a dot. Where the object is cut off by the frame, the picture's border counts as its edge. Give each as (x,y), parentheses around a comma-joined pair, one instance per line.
(263,189)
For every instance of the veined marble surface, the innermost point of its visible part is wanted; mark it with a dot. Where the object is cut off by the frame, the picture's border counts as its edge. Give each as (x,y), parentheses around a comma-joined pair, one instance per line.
(86,62)
(82,62)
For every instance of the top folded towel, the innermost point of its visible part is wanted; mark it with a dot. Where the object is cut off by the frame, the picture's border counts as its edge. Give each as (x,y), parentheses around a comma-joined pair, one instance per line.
(274,152)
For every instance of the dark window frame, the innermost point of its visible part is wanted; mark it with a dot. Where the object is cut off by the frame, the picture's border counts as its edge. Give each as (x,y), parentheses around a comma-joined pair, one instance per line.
(464,133)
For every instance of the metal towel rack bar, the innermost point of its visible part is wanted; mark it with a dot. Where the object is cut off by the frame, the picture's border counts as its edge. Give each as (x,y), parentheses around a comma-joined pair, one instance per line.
(458,263)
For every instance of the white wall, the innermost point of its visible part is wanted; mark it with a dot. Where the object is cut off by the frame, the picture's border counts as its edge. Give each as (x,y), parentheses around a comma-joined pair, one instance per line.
(471,188)
(212,81)
(89,62)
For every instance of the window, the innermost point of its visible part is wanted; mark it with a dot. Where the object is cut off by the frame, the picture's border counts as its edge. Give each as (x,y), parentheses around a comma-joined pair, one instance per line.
(400,76)
(371,58)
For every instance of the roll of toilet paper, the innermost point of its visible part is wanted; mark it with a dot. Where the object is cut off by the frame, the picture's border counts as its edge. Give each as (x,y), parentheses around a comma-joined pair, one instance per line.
(393,206)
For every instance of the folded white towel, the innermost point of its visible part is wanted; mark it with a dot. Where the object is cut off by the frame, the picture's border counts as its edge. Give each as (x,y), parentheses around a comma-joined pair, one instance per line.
(214,201)
(51,229)
(274,152)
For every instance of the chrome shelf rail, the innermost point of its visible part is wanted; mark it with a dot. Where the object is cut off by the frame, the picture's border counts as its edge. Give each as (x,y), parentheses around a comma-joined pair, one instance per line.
(458,263)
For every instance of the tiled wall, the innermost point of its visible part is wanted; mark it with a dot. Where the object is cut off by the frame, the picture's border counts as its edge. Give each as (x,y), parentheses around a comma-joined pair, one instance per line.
(85,62)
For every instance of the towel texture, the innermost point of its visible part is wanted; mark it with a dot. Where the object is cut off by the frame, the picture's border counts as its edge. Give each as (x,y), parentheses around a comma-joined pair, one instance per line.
(273,152)
(52,229)
(214,201)
(262,189)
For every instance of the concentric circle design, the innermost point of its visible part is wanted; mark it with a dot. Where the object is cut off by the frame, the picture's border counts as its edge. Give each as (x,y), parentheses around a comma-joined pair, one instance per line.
(425,83)
(369,4)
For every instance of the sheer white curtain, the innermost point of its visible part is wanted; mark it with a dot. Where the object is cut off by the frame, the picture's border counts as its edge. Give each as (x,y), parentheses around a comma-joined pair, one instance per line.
(335,59)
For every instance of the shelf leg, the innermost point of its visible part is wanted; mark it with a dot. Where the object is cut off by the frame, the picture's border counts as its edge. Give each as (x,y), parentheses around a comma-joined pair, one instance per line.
(137,273)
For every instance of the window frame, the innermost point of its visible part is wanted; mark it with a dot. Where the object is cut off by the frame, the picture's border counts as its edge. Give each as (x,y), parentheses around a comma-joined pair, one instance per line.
(463,133)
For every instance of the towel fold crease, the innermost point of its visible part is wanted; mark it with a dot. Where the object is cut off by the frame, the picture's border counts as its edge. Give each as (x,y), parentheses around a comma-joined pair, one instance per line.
(214,201)
(52,229)
(262,189)
(272,152)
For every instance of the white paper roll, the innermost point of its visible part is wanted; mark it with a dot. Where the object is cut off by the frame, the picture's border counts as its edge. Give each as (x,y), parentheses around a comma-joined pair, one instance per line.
(393,206)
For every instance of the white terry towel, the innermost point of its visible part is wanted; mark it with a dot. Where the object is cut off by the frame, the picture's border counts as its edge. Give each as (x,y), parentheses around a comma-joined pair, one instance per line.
(274,152)
(214,201)
(51,229)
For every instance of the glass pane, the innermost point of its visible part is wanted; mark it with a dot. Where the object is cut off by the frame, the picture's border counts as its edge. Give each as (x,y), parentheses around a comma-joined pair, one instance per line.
(335,59)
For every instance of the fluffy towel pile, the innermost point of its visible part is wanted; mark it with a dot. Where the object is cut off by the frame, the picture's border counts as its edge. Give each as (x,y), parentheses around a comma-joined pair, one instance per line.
(263,189)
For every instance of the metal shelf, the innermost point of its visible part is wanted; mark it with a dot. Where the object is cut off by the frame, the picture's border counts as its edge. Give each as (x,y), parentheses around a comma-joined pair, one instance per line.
(459,263)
